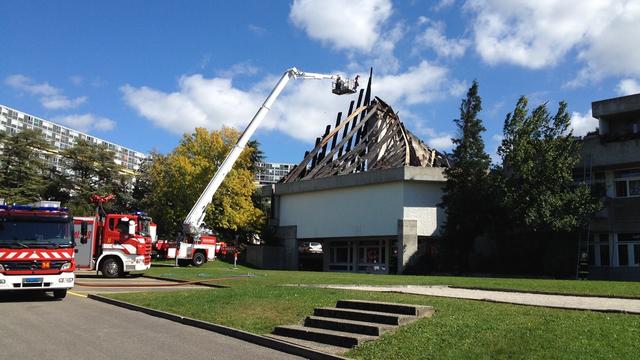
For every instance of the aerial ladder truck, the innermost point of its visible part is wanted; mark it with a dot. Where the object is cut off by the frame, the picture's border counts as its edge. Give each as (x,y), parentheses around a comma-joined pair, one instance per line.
(192,246)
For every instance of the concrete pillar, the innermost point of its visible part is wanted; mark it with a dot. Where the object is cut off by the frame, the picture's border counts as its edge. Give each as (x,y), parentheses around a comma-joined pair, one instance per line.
(288,237)
(407,242)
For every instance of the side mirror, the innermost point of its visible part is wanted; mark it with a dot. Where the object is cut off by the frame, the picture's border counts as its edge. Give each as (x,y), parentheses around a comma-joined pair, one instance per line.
(83,232)
(132,227)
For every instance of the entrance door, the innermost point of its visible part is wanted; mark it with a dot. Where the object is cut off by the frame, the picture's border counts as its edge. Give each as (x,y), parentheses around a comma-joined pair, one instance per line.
(84,254)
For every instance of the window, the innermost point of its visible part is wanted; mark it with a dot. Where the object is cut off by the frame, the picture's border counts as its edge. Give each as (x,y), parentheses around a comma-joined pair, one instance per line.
(600,254)
(628,249)
(627,183)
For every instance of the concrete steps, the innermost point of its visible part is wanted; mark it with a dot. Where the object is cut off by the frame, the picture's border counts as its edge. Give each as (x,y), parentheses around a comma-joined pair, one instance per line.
(350,323)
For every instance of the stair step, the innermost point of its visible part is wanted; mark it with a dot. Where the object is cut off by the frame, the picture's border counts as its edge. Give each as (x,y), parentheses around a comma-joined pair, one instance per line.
(358,327)
(386,307)
(363,315)
(331,337)
(325,348)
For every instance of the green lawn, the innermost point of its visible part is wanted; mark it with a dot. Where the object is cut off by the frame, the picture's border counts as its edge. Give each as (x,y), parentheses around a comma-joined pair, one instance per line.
(273,277)
(459,329)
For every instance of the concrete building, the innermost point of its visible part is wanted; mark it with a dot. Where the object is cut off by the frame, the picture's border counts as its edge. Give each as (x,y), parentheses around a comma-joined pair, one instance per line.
(271,173)
(611,163)
(61,137)
(368,192)
(371,222)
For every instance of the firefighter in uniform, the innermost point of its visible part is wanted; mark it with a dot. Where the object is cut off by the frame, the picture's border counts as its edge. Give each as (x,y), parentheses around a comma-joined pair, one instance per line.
(583,266)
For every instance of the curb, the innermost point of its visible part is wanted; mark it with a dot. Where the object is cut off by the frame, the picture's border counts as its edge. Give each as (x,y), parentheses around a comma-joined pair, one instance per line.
(224,330)
(184,281)
(538,292)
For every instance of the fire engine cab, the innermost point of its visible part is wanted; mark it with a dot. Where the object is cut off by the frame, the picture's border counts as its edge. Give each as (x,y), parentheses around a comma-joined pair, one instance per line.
(114,244)
(36,248)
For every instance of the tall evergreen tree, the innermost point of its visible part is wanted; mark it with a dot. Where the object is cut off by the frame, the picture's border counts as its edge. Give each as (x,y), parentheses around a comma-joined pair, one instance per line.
(466,191)
(23,168)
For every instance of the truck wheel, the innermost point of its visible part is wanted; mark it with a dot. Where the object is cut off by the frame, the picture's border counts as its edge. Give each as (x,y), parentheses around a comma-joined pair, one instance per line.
(60,293)
(198,259)
(111,268)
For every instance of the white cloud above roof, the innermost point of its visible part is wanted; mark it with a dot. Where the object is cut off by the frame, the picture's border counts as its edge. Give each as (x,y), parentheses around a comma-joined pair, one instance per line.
(540,33)
(86,122)
(354,24)
(50,96)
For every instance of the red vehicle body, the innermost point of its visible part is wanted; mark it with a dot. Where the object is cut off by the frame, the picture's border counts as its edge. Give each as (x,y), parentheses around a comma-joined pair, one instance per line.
(115,244)
(37,248)
(192,253)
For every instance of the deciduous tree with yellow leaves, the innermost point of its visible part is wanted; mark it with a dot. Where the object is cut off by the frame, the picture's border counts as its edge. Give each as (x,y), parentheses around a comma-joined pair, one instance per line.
(170,184)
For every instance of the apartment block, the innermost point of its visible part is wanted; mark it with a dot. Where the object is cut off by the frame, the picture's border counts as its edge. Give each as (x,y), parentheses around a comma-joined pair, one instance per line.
(611,163)
(61,137)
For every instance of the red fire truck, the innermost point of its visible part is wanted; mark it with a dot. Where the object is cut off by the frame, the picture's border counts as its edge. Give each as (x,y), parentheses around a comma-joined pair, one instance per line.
(115,244)
(195,255)
(36,248)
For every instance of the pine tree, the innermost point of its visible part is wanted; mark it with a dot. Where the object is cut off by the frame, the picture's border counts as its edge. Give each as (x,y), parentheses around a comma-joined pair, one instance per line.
(465,198)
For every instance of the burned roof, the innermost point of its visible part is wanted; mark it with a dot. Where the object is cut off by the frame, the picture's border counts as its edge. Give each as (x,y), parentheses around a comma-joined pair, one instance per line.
(370,138)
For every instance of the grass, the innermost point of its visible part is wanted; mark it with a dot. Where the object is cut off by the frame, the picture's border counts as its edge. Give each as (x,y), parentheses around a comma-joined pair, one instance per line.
(459,329)
(274,277)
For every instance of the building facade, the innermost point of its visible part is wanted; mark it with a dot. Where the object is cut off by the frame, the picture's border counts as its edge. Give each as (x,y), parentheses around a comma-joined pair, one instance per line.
(371,222)
(271,173)
(61,137)
(611,163)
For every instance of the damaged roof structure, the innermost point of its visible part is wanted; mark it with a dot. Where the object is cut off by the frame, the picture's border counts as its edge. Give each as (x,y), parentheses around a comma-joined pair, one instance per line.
(370,138)
(367,191)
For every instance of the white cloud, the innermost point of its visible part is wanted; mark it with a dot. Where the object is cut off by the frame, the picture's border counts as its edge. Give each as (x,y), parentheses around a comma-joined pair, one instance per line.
(583,123)
(433,38)
(441,143)
(343,24)
(258,30)
(537,34)
(62,102)
(628,87)
(24,83)
(243,68)
(50,96)
(302,111)
(86,122)
(442,5)
(423,83)
(76,80)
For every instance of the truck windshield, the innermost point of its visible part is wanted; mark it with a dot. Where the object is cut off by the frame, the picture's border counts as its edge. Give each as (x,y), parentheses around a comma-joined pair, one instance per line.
(143,225)
(32,233)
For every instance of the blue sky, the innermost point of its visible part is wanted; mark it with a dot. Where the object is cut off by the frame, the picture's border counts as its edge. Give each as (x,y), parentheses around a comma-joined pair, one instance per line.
(141,73)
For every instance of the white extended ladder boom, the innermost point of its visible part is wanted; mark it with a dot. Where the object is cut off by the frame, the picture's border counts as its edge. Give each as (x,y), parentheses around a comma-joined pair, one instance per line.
(195,218)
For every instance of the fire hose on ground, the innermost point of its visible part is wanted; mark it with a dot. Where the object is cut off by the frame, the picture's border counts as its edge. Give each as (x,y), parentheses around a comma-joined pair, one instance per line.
(174,282)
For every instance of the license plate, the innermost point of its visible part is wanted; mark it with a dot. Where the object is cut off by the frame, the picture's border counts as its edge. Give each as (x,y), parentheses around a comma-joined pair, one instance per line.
(32,280)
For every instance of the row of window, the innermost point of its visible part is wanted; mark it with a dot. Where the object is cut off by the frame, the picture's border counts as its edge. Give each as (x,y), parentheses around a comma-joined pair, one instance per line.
(615,249)
(53,129)
(627,183)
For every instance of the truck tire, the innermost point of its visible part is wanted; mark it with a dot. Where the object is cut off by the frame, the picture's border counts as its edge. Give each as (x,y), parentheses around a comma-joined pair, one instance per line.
(60,293)
(111,268)
(198,259)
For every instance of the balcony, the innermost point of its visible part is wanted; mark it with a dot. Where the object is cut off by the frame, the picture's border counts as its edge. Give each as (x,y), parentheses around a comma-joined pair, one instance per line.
(609,154)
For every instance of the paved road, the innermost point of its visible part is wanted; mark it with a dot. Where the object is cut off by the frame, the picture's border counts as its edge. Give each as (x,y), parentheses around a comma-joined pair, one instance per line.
(37,327)
(631,306)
